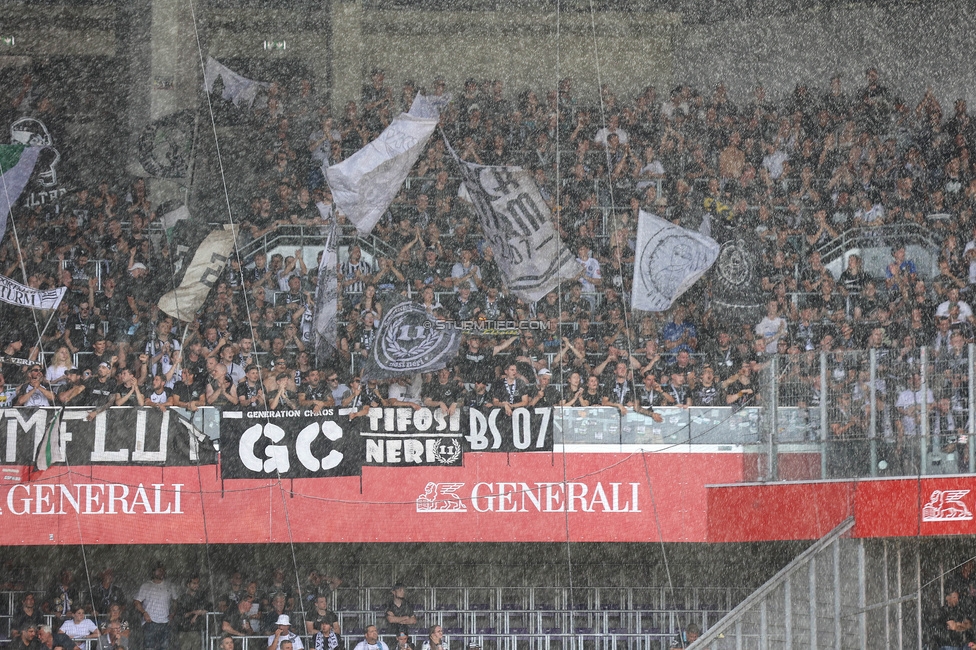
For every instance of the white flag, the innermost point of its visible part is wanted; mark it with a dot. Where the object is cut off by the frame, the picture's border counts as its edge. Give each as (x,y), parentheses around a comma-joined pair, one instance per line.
(364,184)
(327,293)
(237,89)
(15,293)
(173,217)
(669,260)
(208,263)
(517,225)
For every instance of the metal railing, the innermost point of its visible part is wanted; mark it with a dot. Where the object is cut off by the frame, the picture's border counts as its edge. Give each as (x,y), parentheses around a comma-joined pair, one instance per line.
(876,412)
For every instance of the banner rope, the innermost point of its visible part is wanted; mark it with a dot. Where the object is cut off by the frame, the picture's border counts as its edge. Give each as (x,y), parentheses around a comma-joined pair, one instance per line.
(237,253)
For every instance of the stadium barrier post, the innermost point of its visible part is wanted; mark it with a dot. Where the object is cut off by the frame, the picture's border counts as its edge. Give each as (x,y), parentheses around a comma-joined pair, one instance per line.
(873,405)
(924,424)
(823,415)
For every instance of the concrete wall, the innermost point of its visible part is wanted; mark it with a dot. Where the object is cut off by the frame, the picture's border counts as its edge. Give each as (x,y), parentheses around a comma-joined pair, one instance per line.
(629,52)
(914,46)
(345,43)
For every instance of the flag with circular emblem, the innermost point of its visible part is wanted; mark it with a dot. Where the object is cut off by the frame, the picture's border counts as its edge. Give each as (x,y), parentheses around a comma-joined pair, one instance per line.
(409,340)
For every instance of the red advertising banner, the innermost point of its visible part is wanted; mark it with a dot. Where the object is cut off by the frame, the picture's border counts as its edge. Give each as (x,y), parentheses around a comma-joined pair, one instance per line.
(889,507)
(905,508)
(544,497)
(777,511)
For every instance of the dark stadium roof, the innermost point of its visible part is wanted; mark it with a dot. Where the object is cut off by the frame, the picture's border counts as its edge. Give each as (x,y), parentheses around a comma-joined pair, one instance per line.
(692,11)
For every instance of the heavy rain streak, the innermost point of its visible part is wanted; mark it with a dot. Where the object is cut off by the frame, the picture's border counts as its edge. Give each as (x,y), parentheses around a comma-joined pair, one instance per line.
(487,325)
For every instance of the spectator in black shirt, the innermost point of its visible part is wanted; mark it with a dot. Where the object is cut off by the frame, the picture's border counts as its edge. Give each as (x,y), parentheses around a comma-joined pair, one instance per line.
(649,395)
(399,611)
(127,392)
(572,390)
(510,392)
(73,391)
(81,328)
(237,620)
(250,390)
(545,395)
(954,626)
(707,392)
(100,388)
(619,393)
(28,615)
(190,616)
(430,273)
(462,305)
(314,394)
(50,640)
(25,637)
(319,616)
(478,396)
(474,360)
(592,395)
(14,364)
(739,390)
(188,392)
(445,393)
(107,593)
(678,388)
(283,398)
(723,356)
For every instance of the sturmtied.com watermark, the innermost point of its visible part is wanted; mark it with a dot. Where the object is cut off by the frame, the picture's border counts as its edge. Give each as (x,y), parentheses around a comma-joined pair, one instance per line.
(489,327)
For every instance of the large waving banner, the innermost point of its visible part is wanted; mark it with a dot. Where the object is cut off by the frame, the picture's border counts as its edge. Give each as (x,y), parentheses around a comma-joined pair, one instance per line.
(365,184)
(118,436)
(670,259)
(208,262)
(737,296)
(237,88)
(409,341)
(515,219)
(16,166)
(287,444)
(15,293)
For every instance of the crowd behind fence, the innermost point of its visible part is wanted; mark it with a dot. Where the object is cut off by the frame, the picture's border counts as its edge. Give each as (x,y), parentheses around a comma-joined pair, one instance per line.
(610,618)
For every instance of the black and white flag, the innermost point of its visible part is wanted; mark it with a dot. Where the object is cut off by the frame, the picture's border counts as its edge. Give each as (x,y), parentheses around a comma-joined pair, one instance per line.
(516,222)
(364,184)
(409,341)
(208,263)
(237,88)
(669,260)
(327,294)
(15,293)
(737,296)
(166,145)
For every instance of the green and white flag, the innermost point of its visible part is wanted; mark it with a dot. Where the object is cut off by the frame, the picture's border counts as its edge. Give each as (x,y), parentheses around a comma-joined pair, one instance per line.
(16,165)
(49,449)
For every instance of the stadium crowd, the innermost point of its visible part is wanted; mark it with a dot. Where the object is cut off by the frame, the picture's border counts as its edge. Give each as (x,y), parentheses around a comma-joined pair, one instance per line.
(796,174)
(161,614)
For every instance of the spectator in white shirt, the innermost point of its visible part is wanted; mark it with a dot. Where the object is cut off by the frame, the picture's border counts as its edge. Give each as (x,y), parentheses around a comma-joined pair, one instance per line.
(371,640)
(283,638)
(78,626)
(965,311)
(612,127)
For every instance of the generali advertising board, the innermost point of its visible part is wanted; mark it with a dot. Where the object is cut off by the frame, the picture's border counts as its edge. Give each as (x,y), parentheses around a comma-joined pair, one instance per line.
(890,507)
(535,496)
